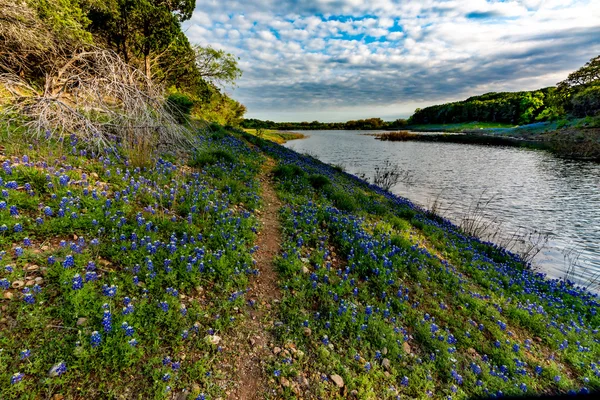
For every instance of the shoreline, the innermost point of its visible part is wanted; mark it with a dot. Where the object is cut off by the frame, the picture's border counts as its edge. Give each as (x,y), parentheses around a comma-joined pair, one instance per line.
(574,143)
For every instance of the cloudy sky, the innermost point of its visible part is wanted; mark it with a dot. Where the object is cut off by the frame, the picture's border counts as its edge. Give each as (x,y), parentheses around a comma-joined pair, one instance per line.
(334,60)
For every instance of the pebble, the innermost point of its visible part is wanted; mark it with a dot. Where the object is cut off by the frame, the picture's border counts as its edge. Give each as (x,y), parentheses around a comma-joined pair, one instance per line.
(81,321)
(18,284)
(338,380)
(8,295)
(406,347)
(386,364)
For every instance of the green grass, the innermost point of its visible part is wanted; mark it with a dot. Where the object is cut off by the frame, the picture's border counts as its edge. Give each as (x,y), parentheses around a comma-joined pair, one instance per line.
(274,135)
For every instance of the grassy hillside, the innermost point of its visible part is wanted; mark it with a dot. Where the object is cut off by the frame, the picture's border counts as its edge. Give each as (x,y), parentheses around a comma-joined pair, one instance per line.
(124,281)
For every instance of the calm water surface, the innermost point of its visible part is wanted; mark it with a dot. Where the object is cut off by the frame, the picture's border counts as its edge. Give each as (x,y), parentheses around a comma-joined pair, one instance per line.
(531,190)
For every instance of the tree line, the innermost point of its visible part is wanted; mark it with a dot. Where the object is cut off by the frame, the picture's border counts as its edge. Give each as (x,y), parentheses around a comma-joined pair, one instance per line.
(361,124)
(576,96)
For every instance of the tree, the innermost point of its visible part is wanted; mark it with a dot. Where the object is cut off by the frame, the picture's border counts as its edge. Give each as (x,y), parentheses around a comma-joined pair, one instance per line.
(588,74)
(216,66)
(141,31)
(580,93)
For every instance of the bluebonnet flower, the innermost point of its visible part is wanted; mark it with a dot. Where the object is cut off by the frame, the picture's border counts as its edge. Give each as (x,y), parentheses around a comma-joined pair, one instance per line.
(132,342)
(95,339)
(277,372)
(58,369)
(25,354)
(164,306)
(91,276)
(109,291)
(16,378)
(18,251)
(404,381)
(128,329)
(107,321)
(28,296)
(4,284)
(26,242)
(13,211)
(69,261)
(367,366)
(18,227)
(77,282)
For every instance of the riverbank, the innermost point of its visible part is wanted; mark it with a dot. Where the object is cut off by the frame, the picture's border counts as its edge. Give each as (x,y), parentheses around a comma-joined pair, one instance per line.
(276,136)
(151,272)
(570,142)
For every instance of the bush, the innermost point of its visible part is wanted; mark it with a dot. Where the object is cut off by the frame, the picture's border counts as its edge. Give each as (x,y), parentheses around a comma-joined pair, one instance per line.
(288,171)
(211,157)
(180,106)
(318,181)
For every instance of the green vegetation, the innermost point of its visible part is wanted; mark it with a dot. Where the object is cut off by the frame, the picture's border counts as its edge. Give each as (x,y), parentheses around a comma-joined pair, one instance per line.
(117,280)
(47,43)
(361,124)
(274,135)
(382,299)
(576,96)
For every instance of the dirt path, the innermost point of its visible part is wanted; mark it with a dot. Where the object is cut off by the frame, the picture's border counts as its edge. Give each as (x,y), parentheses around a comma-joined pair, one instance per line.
(255,339)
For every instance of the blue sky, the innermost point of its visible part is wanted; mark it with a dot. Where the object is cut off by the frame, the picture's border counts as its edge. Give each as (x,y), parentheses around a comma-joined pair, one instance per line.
(335,60)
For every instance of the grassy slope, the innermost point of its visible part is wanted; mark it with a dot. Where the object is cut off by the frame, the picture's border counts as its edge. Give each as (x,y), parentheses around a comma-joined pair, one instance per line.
(158,255)
(362,273)
(397,302)
(276,136)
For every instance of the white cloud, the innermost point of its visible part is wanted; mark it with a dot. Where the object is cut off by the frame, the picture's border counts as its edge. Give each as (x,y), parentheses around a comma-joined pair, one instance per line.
(342,56)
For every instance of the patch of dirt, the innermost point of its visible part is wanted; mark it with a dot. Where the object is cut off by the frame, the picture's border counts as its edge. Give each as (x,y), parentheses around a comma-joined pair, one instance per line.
(255,340)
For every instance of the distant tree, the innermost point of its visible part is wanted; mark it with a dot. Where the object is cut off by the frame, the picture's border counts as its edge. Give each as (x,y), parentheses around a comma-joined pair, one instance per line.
(579,94)
(216,66)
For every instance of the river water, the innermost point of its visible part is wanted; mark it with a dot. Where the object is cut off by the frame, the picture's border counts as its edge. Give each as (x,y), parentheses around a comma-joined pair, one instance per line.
(528,190)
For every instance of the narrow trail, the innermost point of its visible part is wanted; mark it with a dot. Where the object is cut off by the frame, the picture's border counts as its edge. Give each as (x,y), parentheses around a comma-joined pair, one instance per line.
(255,339)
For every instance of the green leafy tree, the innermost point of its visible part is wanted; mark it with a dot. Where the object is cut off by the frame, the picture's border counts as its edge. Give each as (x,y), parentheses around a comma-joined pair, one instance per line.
(141,31)
(579,94)
(216,66)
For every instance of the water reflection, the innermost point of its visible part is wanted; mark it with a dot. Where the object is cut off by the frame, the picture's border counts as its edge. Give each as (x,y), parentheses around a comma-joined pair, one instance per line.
(531,190)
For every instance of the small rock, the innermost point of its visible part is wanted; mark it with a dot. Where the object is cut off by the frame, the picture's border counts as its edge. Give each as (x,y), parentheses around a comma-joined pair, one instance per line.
(538,339)
(81,321)
(386,364)
(8,295)
(338,380)
(39,280)
(30,283)
(18,284)
(472,351)
(284,382)
(305,270)
(354,394)
(32,267)
(276,350)
(252,342)
(307,331)
(406,347)
(384,351)
(213,339)
(303,381)
(44,248)
(304,260)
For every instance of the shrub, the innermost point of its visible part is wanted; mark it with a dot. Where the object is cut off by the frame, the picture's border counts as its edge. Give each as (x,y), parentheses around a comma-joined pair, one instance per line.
(318,181)
(211,157)
(180,106)
(288,171)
